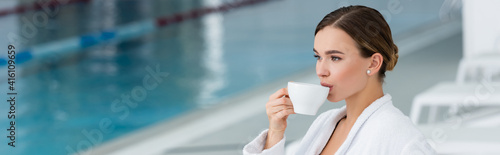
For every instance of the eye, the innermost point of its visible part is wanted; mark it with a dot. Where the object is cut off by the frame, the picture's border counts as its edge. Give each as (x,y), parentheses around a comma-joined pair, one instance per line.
(334,58)
(317,57)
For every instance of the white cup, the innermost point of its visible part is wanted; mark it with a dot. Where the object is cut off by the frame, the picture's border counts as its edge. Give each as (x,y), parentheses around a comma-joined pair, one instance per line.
(307,98)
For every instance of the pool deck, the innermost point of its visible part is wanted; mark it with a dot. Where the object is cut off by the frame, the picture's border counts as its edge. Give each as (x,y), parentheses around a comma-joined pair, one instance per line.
(224,129)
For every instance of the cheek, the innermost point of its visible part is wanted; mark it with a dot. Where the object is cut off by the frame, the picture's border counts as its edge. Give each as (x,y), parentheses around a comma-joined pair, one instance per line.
(317,67)
(353,75)
(347,75)
(348,80)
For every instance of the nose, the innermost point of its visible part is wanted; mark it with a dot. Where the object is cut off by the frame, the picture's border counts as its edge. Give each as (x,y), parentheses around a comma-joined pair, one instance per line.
(322,69)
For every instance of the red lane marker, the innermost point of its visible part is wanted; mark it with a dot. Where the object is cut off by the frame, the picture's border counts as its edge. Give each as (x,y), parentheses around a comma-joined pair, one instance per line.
(195,13)
(4,12)
(37,6)
(20,9)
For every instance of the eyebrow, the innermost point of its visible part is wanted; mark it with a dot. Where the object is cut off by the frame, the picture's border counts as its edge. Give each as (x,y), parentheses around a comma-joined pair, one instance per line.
(329,52)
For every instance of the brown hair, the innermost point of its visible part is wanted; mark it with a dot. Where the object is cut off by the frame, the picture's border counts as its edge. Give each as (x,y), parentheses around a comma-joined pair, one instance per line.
(370,31)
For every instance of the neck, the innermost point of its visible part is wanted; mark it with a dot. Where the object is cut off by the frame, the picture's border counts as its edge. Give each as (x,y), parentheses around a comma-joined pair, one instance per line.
(357,103)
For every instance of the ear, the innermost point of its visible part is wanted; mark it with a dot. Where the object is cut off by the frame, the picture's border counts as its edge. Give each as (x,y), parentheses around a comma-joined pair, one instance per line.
(376,61)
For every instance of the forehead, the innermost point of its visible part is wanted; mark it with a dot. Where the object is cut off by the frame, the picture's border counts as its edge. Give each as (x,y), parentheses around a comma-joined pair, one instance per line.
(331,38)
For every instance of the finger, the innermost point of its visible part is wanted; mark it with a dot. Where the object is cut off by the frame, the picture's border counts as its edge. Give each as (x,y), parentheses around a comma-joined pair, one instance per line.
(288,101)
(283,113)
(278,94)
(280,101)
(277,112)
(276,109)
(277,102)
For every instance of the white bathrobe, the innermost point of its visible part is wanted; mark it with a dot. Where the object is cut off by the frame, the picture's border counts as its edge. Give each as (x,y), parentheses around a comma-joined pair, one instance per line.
(380,129)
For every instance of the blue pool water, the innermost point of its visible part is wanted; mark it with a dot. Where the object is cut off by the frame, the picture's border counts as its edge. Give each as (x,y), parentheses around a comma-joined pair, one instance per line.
(206,59)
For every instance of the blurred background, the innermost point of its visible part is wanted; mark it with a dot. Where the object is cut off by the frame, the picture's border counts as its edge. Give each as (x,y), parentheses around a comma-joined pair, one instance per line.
(193,76)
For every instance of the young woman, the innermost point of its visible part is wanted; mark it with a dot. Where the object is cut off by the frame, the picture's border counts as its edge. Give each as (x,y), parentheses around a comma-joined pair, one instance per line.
(354,48)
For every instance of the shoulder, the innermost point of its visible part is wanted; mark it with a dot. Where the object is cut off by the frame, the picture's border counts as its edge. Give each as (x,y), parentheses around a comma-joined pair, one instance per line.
(396,129)
(389,119)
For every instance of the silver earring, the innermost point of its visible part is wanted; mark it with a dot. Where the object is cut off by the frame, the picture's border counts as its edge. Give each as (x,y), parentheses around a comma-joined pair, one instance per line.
(368,71)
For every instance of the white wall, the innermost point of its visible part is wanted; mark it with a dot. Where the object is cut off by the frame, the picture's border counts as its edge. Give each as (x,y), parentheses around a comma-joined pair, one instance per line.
(481,25)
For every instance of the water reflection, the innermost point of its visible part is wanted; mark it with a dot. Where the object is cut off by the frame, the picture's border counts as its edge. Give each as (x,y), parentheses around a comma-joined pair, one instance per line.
(212,56)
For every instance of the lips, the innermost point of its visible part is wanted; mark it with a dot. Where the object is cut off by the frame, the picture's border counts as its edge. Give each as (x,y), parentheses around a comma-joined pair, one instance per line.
(327,85)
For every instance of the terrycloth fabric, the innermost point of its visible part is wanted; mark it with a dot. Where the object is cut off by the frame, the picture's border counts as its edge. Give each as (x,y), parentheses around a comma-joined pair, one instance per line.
(380,129)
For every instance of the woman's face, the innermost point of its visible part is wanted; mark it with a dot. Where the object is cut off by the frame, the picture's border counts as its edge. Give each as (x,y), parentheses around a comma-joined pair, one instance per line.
(339,65)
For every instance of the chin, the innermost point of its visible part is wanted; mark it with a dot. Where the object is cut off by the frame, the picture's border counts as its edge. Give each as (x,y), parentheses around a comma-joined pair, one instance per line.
(331,98)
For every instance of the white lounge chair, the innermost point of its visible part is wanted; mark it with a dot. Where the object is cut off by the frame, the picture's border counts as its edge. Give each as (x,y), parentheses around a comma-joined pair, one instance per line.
(475,89)
(480,63)
(451,94)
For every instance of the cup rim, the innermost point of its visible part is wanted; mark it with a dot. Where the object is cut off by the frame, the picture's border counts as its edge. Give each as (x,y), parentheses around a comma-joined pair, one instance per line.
(308,84)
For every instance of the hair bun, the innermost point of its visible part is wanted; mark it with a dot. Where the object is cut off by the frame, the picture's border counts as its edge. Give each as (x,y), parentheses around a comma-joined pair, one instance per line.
(393,58)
